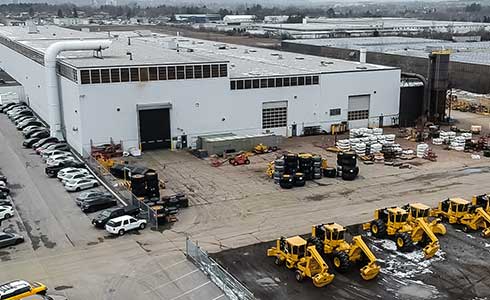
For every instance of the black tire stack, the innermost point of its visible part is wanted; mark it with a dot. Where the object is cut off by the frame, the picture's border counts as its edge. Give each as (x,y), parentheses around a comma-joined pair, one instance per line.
(278,170)
(305,163)
(138,185)
(347,165)
(152,185)
(299,179)
(317,167)
(287,181)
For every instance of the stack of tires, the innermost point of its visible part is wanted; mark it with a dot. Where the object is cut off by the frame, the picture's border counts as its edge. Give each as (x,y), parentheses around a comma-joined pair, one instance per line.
(278,169)
(305,164)
(347,165)
(291,163)
(287,181)
(299,179)
(317,167)
(152,186)
(138,185)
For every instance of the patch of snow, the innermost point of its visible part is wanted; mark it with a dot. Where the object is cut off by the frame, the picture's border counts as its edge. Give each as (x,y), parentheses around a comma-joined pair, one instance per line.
(470,236)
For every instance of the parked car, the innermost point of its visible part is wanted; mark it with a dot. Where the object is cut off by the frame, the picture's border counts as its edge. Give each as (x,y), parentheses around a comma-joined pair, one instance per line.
(101,219)
(3,178)
(57,146)
(22,116)
(52,171)
(71,174)
(44,141)
(29,142)
(4,189)
(14,108)
(29,123)
(123,224)
(81,184)
(46,154)
(43,147)
(3,194)
(40,134)
(25,130)
(58,156)
(5,106)
(33,129)
(94,205)
(6,212)
(71,177)
(6,202)
(19,289)
(61,161)
(95,195)
(14,112)
(10,239)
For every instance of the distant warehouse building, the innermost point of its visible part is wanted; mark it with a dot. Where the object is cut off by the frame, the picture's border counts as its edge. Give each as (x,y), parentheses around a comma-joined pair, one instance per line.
(156,89)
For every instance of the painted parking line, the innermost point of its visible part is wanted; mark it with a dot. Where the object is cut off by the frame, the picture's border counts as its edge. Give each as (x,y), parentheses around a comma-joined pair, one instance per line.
(192,290)
(170,282)
(219,297)
(166,268)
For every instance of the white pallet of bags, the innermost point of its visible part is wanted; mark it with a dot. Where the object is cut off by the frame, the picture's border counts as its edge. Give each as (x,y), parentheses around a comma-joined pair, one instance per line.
(421,149)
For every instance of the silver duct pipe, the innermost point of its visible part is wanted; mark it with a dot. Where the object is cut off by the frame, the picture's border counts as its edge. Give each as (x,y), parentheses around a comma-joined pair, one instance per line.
(52,90)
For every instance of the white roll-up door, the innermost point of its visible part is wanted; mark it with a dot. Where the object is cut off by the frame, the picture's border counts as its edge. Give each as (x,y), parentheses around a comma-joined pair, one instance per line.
(358,111)
(274,114)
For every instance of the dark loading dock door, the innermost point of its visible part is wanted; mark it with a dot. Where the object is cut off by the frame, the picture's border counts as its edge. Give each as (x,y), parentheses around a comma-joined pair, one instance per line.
(155,128)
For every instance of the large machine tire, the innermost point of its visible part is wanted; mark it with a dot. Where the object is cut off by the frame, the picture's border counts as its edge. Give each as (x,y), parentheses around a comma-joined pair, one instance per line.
(378,228)
(278,261)
(341,261)
(299,276)
(403,241)
(317,243)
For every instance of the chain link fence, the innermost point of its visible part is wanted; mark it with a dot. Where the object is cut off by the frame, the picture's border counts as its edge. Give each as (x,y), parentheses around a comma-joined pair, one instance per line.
(118,187)
(230,286)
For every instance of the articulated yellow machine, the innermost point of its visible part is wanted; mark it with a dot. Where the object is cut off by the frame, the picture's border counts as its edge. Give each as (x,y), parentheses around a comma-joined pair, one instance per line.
(460,211)
(330,239)
(393,222)
(296,254)
(482,201)
(420,210)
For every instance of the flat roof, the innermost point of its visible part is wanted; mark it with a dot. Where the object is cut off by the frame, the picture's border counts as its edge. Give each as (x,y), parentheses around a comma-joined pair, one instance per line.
(156,49)
(330,24)
(467,52)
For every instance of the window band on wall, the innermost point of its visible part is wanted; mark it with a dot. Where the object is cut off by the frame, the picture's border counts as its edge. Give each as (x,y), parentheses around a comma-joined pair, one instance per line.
(274,82)
(133,74)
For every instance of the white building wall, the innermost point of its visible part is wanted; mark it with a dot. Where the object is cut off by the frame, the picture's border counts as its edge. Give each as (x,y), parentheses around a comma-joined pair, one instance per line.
(28,73)
(70,108)
(208,106)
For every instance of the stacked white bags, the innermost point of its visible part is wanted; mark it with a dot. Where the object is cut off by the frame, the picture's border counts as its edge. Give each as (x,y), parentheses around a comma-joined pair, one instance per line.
(421,150)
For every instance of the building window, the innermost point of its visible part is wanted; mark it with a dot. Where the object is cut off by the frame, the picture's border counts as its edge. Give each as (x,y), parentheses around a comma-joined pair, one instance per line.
(153,73)
(248,84)
(274,117)
(223,70)
(308,80)
(95,76)
(135,74)
(197,71)
(115,77)
(189,72)
(358,115)
(170,73)
(239,84)
(287,82)
(316,80)
(233,85)
(162,73)
(294,81)
(301,81)
(105,77)
(335,112)
(206,71)
(255,83)
(271,82)
(144,74)
(124,75)
(85,76)
(263,83)
(180,72)
(215,71)
(278,82)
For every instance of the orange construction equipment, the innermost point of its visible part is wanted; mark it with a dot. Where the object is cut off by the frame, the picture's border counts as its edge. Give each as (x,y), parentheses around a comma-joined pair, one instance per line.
(240,159)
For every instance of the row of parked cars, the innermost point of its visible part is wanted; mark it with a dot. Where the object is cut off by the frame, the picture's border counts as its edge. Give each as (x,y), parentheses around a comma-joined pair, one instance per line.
(7,211)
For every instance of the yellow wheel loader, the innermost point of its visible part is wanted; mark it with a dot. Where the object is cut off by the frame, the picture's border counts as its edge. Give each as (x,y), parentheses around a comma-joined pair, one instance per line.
(307,262)
(482,201)
(329,239)
(460,211)
(420,210)
(393,222)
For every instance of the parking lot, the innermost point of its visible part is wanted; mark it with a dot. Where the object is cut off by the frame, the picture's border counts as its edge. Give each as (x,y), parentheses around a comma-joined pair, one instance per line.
(64,251)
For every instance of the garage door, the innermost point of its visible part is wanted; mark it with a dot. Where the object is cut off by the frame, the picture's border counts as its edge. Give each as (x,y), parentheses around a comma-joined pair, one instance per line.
(275,117)
(358,111)
(155,128)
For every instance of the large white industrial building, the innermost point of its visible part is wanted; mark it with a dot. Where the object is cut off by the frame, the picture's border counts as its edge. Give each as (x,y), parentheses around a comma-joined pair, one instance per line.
(148,90)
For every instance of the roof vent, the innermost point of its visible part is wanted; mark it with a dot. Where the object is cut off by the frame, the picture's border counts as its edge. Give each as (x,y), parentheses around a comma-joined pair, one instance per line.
(361,68)
(275,54)
(326,63)
(222,47)
(300,58)
(252,50)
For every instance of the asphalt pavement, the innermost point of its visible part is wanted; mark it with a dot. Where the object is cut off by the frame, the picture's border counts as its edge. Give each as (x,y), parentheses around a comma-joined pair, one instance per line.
(64,251)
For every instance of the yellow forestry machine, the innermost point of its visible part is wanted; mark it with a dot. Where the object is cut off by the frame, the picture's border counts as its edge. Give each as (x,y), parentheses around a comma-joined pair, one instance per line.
(420,210)
(393,222)
(296,254)
(460,211)
(329,239)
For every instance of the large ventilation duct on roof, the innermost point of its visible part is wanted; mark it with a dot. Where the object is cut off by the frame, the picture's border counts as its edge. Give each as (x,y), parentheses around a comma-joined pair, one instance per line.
(54,105)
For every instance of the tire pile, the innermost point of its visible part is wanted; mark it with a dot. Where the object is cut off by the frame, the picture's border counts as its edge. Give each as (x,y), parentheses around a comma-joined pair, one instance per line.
(167,207)
(347,165)
(292,170)
(145,185)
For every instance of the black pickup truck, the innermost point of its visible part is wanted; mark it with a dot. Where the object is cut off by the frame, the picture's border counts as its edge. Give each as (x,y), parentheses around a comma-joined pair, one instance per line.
(112,213)
(52,171)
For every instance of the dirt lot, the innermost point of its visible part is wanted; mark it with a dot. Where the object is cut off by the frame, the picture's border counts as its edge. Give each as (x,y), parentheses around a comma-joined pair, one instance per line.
(458,271)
